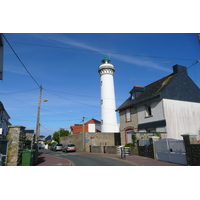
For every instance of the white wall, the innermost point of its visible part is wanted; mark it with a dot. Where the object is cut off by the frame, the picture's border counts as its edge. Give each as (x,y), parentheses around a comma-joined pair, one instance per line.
(181,118)
(108,104)
(91,127)
(157,113)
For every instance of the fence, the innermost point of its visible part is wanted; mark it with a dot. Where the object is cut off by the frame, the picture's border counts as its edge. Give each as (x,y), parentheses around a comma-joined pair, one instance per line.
(171,150)
(145,148)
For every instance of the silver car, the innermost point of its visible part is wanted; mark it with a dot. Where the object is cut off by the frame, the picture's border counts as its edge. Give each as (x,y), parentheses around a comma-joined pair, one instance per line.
(58,147)
(69,148)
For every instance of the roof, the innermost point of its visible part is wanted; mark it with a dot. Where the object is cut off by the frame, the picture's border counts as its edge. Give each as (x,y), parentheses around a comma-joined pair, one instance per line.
(29,131)
(3,109)
(177,86)
(79,128)
(93,121)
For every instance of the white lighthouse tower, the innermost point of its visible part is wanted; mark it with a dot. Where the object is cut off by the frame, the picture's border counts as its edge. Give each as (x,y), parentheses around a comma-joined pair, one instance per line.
(108,106)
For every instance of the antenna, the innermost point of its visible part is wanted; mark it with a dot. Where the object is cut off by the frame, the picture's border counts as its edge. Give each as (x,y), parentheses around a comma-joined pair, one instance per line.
(168,62)
(133,79)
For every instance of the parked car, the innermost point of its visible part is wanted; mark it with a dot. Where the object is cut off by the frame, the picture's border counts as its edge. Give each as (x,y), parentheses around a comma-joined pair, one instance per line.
(69,148)
(52,146)
(58,147)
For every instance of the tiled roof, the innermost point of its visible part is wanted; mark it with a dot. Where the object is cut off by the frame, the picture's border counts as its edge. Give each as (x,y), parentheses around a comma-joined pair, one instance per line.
(79,129)
(93,121)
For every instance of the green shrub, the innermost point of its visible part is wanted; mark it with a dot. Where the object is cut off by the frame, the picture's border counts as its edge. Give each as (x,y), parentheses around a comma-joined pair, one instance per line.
(129,145)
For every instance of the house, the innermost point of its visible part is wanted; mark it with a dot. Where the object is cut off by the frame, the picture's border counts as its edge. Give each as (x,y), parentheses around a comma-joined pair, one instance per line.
(92,125)
(4,121)
(48,138)
(169,106)
(1,57)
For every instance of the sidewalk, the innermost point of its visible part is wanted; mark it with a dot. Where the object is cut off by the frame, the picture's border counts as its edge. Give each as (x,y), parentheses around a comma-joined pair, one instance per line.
(138,160)
(49,160)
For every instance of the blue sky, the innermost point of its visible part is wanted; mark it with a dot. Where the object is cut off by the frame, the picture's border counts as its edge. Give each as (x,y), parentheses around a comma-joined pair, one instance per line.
(66,66)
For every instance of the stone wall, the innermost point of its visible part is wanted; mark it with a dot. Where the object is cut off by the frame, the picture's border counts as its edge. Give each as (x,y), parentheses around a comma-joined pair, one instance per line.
(84,141)
(148,150)
(192,148)
(16,138)
(104,149)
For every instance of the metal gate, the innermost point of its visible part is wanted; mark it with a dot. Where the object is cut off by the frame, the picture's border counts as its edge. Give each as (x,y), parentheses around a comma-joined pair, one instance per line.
(171,150)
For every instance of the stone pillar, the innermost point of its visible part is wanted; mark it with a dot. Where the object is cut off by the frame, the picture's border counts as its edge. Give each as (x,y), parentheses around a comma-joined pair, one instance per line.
(153,139)
(15,145)
(189,139)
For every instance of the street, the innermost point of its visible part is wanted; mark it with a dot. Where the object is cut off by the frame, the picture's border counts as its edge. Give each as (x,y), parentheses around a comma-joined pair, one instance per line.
(88,160)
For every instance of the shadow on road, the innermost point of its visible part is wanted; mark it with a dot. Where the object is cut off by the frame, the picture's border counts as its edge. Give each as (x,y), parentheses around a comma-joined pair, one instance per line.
(40,158)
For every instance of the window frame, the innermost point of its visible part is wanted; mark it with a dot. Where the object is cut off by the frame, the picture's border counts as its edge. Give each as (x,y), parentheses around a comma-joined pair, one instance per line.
(128,117)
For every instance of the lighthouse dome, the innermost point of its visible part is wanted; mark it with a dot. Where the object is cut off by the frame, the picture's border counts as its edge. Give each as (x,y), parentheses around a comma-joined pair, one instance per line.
(106,65)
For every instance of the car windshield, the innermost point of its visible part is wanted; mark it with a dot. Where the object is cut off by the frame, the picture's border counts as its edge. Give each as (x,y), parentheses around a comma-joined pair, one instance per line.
(71,145)
(59,145)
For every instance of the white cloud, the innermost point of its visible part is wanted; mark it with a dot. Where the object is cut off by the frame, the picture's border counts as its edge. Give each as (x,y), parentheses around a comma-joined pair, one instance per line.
(125,58)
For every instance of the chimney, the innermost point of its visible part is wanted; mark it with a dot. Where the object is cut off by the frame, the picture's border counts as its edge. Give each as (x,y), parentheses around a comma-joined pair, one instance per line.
(180,69)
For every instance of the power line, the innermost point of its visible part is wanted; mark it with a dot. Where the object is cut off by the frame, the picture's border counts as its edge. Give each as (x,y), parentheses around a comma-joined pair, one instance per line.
(18,91)
(107,52)
(20,61)
(78,94)
(72,100)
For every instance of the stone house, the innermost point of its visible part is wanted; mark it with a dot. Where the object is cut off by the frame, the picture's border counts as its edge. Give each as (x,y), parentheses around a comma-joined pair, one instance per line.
(169,106)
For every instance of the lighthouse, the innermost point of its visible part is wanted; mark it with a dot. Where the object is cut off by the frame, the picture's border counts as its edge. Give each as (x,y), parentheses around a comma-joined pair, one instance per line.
(108,105)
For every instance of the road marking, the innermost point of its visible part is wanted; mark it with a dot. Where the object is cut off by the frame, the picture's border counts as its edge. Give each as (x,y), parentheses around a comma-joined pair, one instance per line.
(58,164)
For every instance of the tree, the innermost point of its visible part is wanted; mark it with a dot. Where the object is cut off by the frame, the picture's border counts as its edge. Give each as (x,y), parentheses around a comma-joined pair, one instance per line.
(60,133)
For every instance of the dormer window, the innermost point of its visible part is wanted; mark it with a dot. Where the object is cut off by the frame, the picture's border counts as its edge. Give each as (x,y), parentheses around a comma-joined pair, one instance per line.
(136,91)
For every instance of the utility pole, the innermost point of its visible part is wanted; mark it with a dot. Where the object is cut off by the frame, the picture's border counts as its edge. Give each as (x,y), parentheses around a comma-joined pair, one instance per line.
(38,117)
(83,134)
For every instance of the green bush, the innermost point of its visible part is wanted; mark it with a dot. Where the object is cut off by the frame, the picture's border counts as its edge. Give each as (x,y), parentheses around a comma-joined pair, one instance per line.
(129,145)
(50,143)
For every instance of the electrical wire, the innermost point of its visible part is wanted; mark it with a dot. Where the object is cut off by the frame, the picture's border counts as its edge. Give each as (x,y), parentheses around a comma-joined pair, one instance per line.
(72,100)
(107,52)
(20,61)
(18,91)
(78,94)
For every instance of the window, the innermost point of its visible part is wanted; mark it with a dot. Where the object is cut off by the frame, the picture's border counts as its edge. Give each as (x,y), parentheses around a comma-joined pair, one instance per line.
(128,115)
(148,111)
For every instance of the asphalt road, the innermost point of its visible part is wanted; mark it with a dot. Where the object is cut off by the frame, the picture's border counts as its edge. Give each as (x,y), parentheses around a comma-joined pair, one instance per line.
(89,160)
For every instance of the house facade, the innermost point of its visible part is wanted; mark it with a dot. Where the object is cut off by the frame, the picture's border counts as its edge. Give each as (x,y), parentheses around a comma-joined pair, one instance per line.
(1,56)
(169,107)
(92,125)
(4,121)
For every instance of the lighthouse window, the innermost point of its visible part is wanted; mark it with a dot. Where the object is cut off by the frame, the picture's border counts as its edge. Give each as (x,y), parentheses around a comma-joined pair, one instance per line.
(101,121)
(101,83)
(101,102)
